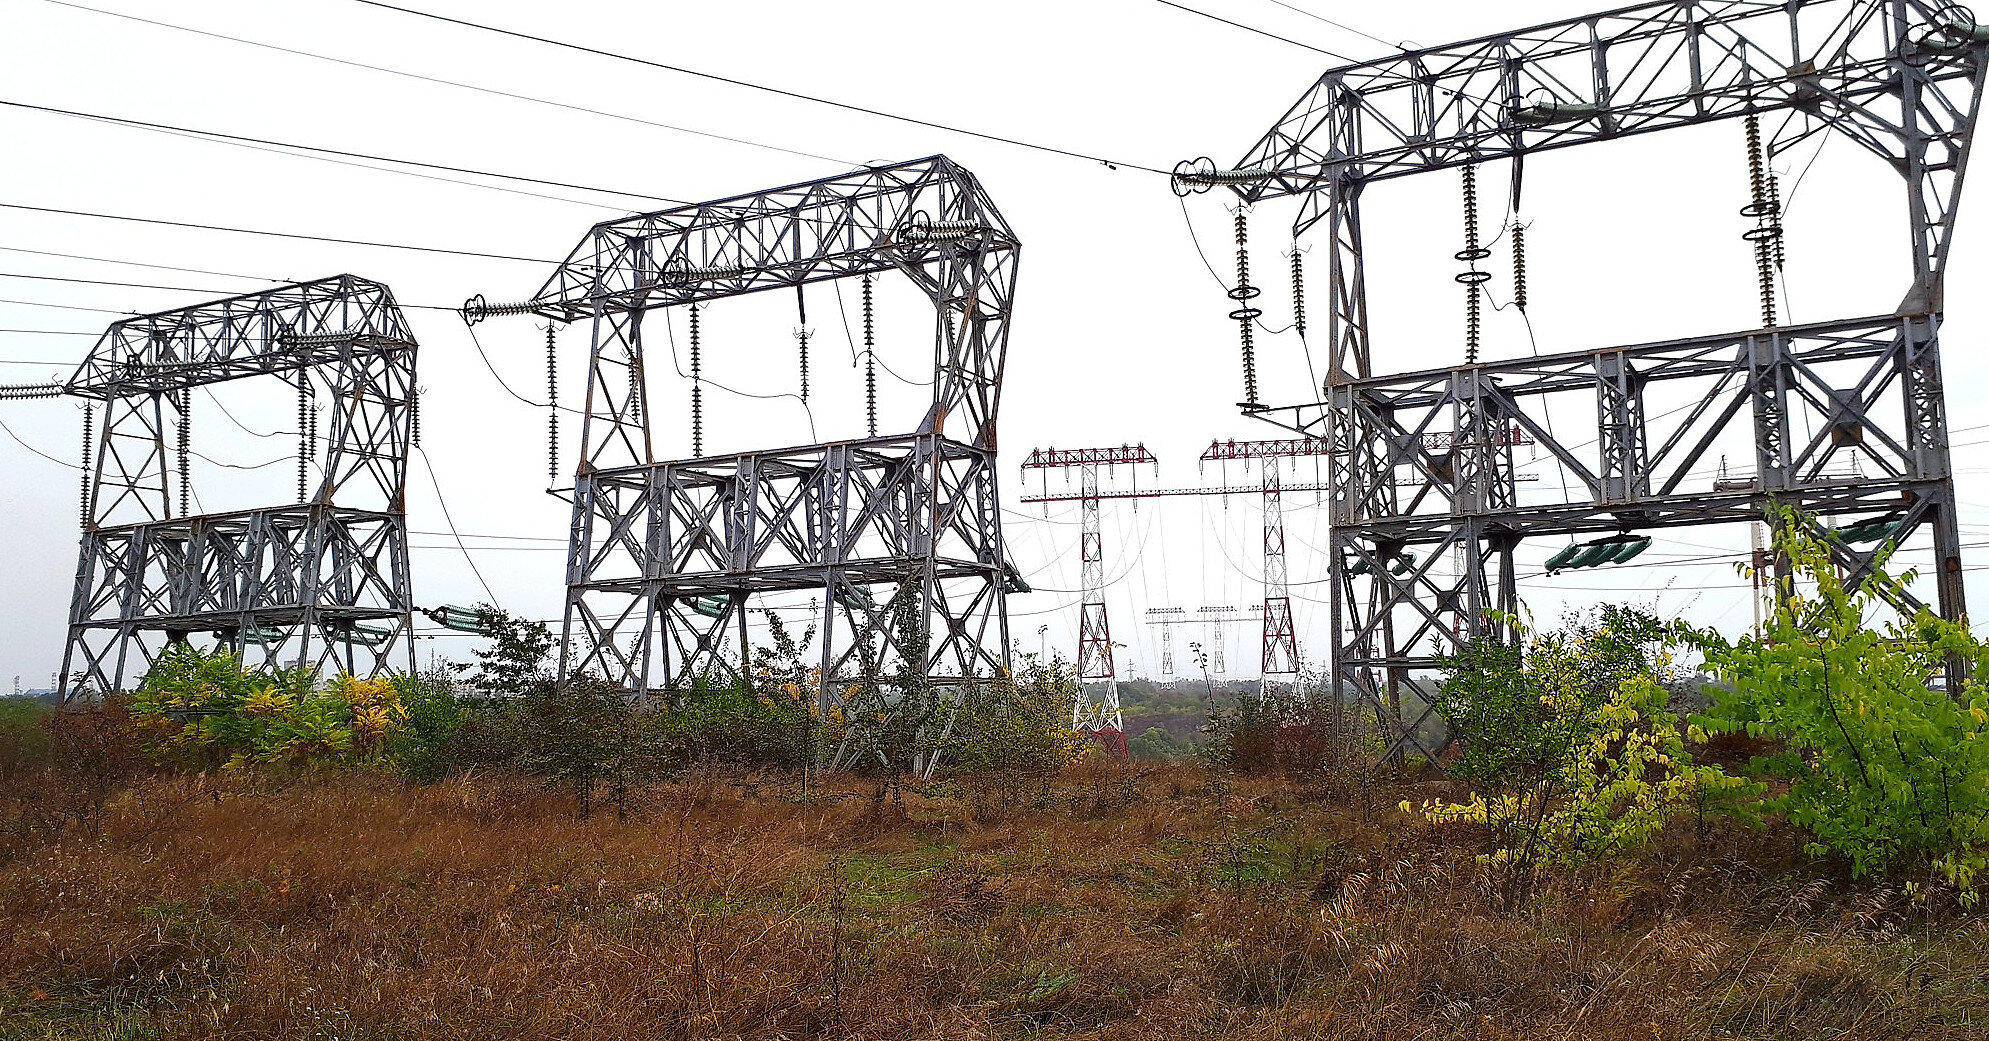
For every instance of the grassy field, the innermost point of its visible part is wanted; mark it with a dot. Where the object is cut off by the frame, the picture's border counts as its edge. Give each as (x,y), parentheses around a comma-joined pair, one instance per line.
(1155,902)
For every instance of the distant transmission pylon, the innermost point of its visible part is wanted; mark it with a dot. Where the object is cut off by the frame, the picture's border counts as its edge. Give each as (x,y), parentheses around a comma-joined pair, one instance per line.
(1096,711)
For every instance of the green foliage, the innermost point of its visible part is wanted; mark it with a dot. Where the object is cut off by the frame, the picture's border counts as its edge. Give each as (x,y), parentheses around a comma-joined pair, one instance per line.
(1281,730)
(1018,723)
(202,710)
(518,660)
(426,746)
(1882,768)
(587,737)
(1158,743)
(1519,712)
(1595,763)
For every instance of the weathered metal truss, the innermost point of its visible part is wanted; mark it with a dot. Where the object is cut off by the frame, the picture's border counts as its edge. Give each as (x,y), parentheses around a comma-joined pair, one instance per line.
(321,583)
(899,536)
(1901,78)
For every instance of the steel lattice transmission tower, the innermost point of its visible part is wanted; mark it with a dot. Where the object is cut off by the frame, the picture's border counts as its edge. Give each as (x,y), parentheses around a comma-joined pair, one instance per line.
(1280,651)
(1901,79)
(322,582)
(1097,709)
(898,536)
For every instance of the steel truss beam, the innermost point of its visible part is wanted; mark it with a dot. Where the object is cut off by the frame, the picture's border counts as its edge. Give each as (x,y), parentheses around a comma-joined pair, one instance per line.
(323,583)
(899,536)
(1902,78)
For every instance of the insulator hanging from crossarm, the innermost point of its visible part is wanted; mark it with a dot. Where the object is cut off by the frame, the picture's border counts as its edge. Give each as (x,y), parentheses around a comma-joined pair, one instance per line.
(1193,176)
(697,388)
(1244,314)
(183,404)
(1298,292)
(1519,265)
(801,334)
(869,358)
(1766,211)
(89,443)
(552,406)
(1473,280)
(303,433)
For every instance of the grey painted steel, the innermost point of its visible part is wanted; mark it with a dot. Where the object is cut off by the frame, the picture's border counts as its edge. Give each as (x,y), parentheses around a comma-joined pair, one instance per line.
(883,530)
(322,583)
(1901,78)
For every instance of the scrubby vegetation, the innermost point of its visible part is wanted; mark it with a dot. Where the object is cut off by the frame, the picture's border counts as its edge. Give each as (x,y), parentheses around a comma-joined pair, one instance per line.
(1796,854)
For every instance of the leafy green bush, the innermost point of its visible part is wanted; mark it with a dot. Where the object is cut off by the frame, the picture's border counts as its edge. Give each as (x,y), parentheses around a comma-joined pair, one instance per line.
(203,709)
(1882,767)
(426,746)
(1573,750)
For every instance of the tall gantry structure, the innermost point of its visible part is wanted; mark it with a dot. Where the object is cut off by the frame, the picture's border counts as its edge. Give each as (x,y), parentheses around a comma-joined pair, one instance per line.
(1096,711)
(1901,79)
(321,582)
(898,536)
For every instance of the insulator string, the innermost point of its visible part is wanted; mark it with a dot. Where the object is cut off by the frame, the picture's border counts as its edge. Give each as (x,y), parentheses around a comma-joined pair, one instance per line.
(869,358)
(1519,265)
(414,416)
(634,389)
(89,444)
(801,334)
(184,404)
(552,410)
(303,433)
(1298,292)
(1766,208)
(1473,280)
(1244,314)
(697,389)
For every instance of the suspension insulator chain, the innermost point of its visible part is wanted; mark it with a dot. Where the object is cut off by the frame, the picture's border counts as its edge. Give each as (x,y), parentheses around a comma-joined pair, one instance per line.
(1298,292)
(697,389)
(183,402)
(1244,314)
(1472,280)
(1519,265)
(303,433)
(634,389)
(414,416)
(552,410)
(89,443)
(1765,208)
(869,358)
(801,334)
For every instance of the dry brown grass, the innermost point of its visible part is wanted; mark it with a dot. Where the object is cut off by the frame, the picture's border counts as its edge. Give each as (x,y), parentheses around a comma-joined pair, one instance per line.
(1114,905)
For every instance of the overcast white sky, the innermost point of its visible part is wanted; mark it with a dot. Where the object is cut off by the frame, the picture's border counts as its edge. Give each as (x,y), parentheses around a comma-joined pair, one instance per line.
(1119,334)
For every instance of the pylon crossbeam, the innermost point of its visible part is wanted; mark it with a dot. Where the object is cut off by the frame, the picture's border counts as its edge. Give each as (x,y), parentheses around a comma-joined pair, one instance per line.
(290,585)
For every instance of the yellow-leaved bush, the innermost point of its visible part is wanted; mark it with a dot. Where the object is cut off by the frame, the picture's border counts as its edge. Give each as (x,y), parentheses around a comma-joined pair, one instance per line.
(204,709)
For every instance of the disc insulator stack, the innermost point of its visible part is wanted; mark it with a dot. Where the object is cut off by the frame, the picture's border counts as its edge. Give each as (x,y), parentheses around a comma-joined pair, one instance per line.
(552,409)
(1298,293)
(697,389)
(1765,208)
(1245,315)
(89,443)
(1474,279)
(869,358)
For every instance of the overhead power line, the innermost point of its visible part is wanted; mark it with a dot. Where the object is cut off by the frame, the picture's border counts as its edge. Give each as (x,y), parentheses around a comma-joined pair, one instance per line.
(449,83)
(275,234)
(1337,25)
(796,95)
(317,152)
(1236,25)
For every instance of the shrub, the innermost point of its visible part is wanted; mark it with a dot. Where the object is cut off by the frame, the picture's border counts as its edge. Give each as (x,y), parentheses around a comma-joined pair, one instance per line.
(202,709)
(1573,750)
(428,744)
(1883,769)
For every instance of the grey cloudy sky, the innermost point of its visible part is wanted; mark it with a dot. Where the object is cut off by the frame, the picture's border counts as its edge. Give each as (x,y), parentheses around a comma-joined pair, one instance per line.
(1119,333)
